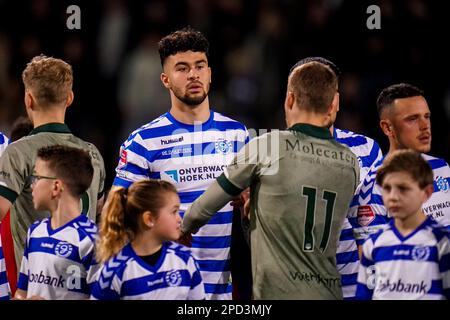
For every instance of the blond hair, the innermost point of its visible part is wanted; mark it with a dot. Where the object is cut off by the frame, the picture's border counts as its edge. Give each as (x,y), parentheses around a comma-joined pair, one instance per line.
(314,86)
(49,79)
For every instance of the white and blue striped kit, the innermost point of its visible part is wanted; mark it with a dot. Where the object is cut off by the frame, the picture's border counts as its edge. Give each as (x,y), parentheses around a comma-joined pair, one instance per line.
(368,214)
(368,152)
(126,276)
(191,157)
(4,286)
(397,267)
(59,264)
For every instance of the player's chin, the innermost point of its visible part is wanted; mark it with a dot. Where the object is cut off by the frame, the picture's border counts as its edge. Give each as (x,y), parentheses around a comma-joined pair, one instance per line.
(423,146)
(37,205)
(176,235)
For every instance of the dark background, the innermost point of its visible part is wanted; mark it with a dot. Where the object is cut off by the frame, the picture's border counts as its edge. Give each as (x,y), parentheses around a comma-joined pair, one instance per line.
(253,45)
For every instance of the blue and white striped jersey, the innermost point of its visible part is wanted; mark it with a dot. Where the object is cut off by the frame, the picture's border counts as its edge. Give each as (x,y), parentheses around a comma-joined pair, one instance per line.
(4,141)
(4,286)
(191,157)
(175,276)
(367,152)
(368,214)
(366,149)
(414,267)
(59,264)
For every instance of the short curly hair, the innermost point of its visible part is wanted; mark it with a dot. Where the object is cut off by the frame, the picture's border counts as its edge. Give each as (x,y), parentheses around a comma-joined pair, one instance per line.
(186,39)
(49,79)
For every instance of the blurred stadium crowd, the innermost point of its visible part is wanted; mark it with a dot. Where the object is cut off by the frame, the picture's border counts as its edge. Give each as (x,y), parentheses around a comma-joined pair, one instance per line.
(253,44)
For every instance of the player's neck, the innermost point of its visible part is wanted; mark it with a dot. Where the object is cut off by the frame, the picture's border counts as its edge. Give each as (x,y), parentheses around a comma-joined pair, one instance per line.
(190,115)
(392,148)
(55,116)
(310,118)
(65,211)
(411,223)
(146,244)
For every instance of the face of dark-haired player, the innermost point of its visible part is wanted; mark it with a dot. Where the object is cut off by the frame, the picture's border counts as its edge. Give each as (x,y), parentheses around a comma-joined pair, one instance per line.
(188,77)
(410,123)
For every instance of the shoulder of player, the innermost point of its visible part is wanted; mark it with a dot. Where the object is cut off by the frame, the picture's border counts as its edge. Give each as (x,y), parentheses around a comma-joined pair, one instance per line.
(92,149)
(155,124)
(24,146)
(36,224)
(218,117)
(439,231)
(383,231)
(86,228)
(179,250)
(434,162)
(149,130)
(116,265)
(358,139)
(374,168)
(3,138)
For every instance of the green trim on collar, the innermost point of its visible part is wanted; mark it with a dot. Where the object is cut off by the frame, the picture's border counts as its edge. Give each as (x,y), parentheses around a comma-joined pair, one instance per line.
(310,130)
(9,194)
(51,127)
(227,186)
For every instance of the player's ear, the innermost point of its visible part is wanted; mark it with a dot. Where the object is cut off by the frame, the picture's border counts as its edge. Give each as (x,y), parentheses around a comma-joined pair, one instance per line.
(386,126)
(29,100)
(57,188)
(70,98)
(333,108)
(289,101)
(428,192)
(148,219)
(165,80)
(336,101)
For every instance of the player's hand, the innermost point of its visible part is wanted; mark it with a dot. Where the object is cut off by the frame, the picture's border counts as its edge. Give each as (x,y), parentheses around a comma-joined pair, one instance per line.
(239,201)
(185,239)
(35,297)
(246,210)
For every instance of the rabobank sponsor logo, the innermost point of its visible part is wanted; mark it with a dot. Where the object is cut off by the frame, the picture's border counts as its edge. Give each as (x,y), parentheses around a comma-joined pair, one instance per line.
(41,278)
(63,249)
(195,173)
(173,278)
(223,146)
(442,184)
(402,287)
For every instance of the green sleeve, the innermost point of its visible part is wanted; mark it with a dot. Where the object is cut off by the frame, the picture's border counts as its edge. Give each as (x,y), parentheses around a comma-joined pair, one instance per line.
(16,166)
(201,211)
(236,177)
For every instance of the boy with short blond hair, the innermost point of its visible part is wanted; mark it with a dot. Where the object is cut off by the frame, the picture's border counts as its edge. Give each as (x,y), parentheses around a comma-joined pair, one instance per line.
(48,93)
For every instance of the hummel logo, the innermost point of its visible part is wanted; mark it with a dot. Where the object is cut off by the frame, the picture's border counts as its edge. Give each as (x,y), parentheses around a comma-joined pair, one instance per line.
(47,245)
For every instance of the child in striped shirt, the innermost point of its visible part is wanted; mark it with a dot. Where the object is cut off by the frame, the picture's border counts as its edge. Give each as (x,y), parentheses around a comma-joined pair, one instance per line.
(410,257)
(140,261)
(58,261)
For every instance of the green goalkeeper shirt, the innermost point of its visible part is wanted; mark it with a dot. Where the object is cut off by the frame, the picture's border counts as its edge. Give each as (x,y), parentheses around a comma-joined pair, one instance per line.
(301,182)
(16,166)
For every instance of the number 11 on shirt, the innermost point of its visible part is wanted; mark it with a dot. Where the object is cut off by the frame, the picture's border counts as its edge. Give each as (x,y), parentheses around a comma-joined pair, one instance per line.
(330,198)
